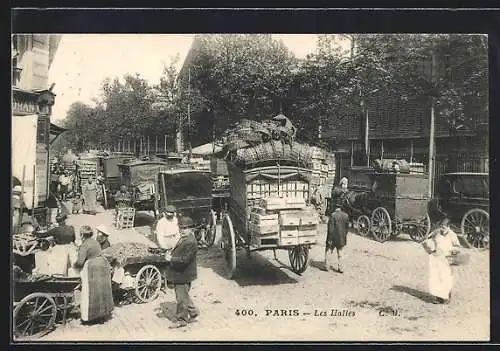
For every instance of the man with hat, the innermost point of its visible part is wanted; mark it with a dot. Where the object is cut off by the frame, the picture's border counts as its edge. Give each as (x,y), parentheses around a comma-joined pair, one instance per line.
(336,237)
(102,236)
(63,234)
(167,228)
(181,271)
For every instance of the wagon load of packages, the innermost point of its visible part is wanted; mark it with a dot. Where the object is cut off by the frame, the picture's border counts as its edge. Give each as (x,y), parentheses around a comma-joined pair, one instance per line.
(270,179)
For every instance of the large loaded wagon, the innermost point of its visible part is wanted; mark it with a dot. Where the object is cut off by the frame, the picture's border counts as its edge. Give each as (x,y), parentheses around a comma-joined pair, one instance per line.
(269,186)
(190,191)
(140,176)
(387,203)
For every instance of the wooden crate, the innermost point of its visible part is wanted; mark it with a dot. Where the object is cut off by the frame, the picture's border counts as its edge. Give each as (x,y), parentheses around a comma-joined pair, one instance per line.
(125,218)
(307,239)
(289,241)
(308,230)
(292,219)
(259,240)
(260,229)
(264,219)
(289,231)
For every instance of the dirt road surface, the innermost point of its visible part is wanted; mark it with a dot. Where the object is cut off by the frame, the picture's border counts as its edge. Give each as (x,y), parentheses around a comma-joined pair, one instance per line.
(380,297)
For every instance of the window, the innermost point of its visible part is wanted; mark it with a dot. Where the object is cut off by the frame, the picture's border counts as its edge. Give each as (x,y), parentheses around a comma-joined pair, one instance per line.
(184,186)
(472,186)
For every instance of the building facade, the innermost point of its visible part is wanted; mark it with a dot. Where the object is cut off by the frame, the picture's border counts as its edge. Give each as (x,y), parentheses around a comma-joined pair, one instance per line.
(392,126)
(32,101)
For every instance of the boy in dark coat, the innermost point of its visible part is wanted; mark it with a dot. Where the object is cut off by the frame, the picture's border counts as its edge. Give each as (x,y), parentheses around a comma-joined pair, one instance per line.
(336,237)
(181,271)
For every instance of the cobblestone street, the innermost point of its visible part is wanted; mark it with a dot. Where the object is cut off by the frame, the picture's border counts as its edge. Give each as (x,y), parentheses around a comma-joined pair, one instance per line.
(380,297)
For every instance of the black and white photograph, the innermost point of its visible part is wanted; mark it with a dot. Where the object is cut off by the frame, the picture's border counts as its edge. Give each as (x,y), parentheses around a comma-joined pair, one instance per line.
(250,187)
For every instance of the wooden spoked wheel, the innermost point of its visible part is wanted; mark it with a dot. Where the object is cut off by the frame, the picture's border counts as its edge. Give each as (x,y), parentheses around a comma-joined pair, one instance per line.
(381,224)
(147,283)
(211,230)
(198,234)
(299,258)
(228,245)
(476,228)
(420,229)
(363,224)
(34,315)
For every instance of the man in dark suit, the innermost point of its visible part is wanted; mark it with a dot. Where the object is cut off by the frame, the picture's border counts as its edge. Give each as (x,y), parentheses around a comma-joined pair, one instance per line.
(336,237)
(181,271)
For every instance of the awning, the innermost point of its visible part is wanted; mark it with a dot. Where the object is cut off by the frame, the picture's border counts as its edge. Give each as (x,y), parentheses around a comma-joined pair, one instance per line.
(55,131)
(205,149)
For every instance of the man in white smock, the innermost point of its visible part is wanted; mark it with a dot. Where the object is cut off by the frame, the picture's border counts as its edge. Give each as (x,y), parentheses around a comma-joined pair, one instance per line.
(167,228)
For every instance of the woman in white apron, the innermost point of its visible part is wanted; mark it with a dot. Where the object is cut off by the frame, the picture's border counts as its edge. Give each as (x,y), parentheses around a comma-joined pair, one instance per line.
(442,243)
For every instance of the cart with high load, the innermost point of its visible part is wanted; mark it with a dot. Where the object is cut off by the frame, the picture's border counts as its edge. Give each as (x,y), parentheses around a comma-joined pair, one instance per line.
(140,176)
(268,208)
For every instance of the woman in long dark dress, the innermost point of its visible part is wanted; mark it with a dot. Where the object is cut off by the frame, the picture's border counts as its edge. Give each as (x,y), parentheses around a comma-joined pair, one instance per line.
(97,297)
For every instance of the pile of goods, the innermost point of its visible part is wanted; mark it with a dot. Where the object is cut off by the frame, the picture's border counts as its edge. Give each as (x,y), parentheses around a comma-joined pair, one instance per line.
(283,221)
(87,169)
(250,142)
(24,244)
(387,165)
(144,191)
(122,254)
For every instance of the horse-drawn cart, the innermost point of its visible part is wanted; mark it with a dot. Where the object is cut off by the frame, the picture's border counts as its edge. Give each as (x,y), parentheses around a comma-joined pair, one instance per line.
(137,271)
(387,203)
(141,177)
(41,301)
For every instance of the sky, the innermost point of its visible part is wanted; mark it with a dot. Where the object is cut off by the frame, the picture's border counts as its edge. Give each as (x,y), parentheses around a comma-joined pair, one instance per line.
(83,61)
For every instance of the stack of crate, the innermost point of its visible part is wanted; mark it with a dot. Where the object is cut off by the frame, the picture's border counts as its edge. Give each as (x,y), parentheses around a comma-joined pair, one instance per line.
(283,221)
(125,218)
(264,227)
(87,169)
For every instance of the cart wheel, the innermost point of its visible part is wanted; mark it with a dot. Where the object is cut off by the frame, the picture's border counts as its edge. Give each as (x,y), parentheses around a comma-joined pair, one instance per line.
(147,283)
(421,229)
(34,315)
(381,224)
(198,234)
(363,224)
(476,228)
(212,229)
(228,245)
(299,258)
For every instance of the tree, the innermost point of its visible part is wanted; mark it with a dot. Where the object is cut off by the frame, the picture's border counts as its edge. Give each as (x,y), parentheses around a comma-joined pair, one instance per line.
(237,76)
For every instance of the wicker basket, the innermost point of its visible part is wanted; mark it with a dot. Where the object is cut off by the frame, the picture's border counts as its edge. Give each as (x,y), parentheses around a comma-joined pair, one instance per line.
(458,259)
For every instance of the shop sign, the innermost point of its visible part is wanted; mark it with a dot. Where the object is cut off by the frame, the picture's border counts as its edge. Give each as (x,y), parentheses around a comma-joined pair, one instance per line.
(28,107)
